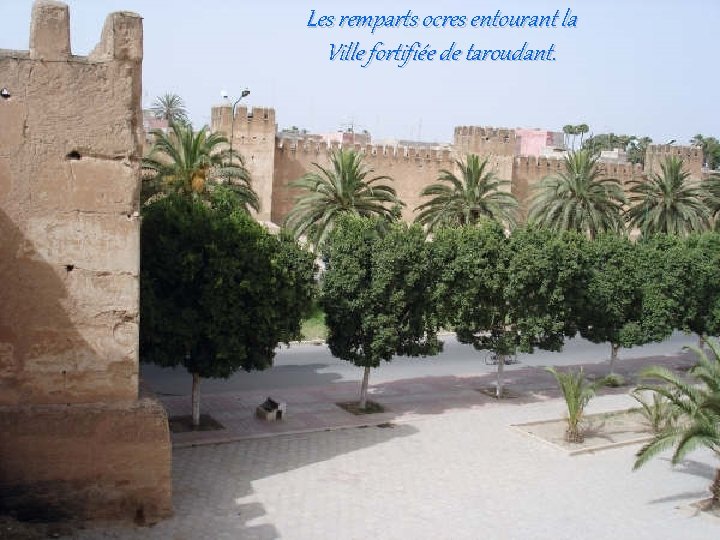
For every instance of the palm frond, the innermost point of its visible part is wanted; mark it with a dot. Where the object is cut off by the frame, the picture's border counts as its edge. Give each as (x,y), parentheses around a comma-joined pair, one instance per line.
(346,185)
(467,199)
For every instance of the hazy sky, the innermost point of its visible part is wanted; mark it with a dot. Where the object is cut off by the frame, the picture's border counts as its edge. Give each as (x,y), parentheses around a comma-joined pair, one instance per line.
(630,66)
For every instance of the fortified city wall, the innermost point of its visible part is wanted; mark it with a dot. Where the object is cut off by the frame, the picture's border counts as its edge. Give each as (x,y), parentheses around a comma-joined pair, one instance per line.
(76,440)
(274,166)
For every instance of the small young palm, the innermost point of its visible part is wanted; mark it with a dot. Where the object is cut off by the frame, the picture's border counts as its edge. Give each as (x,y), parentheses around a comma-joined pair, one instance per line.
(577,392)
(659,412)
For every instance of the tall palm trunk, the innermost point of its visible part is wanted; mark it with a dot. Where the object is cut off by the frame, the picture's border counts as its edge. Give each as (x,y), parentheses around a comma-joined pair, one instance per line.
(364,388)
(614,348)
(196,400)
(500,372)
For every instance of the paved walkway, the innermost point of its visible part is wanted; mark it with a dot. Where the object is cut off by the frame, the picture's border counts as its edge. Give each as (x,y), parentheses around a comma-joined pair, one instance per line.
(445,463)
(313,408)
(464,474)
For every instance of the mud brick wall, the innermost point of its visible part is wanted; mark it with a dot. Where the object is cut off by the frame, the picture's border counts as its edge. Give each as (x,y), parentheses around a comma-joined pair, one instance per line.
(74,439)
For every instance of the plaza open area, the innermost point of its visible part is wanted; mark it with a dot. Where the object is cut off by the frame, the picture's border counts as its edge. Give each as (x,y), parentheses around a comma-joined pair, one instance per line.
(462,474)
(443,461)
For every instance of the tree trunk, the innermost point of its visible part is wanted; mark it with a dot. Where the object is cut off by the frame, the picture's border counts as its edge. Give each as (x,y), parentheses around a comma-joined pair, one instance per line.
(196,400)
(715,489)
(500,371)
(614,348)
(364,387)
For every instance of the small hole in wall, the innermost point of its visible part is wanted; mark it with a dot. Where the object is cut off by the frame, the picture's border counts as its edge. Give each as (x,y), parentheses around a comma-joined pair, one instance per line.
(5,93)
(74,155)
(69,267)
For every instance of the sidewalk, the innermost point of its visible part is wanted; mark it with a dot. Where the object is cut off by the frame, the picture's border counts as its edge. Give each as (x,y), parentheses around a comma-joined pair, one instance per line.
(314,408)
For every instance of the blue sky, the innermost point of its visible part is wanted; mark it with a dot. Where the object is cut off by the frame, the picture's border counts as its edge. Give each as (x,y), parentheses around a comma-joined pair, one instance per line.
(634,66)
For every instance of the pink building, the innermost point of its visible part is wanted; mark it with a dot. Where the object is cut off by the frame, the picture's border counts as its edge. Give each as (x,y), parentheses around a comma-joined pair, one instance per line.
(538,142)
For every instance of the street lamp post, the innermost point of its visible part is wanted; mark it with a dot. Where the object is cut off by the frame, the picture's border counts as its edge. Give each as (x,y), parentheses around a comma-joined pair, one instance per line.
(243,94)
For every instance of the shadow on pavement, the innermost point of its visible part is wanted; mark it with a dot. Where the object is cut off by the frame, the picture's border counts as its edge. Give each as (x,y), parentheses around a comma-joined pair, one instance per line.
(213,492)
(178,382)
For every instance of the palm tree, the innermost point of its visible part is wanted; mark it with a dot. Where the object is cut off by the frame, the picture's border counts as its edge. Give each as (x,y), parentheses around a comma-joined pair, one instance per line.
(697,408)
(465,200)
(568,129)
(579,198)
(346,186)
(582,129)
(170,107)
(637,148)
(669,202)
(192,163)
(577,392)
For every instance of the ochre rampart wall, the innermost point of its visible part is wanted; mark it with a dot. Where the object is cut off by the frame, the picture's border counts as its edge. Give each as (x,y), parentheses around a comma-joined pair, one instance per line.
(70,134)
(411,168)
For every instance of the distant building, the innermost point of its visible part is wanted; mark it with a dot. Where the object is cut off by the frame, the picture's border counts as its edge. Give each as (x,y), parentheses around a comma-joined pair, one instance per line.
(539,142)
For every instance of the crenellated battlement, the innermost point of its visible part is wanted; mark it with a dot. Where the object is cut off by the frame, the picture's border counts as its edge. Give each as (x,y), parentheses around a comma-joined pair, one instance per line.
(246,120)
(70,150)
(121,38)
(692,157)
(542,162)
(378,151)
(683,152)
(621,170)
(534,168)
(484,140)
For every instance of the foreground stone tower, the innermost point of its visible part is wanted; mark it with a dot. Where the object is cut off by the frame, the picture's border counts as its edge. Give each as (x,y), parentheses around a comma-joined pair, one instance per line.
(76,441)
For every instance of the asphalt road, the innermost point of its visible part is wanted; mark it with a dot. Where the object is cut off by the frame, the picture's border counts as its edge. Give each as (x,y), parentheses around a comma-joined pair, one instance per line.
(313,365)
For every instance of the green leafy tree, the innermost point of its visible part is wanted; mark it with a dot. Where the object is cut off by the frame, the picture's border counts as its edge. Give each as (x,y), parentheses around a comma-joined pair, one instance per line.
(669,202)
(194,163)
(345,187)
(637,149)
(634,146)
(607,141)
(710,149)
(682,284)
(695,405)
(577,392)
(612,311)
(579,198)
(506,295)
(474,195)
(377,294)
(170,107)
(218,292)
